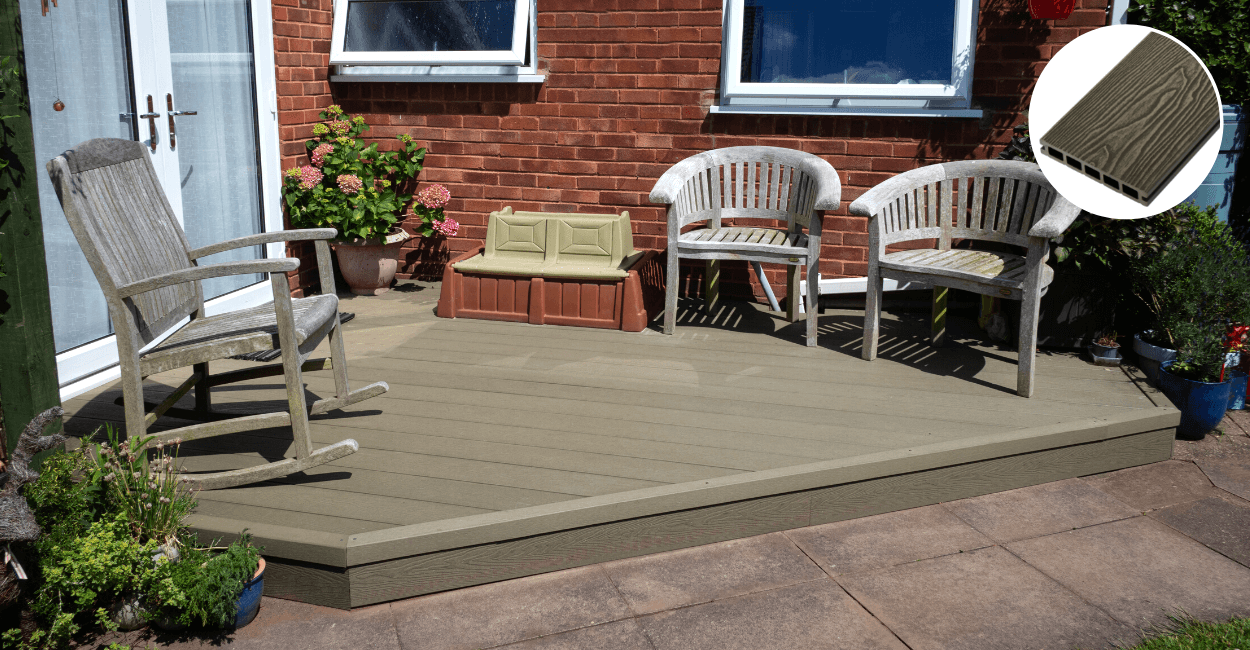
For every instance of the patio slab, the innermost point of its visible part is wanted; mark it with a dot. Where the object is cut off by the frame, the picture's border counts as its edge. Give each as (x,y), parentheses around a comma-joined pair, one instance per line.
(1140,571)
(508,612)
(1039,510)
(1229,474)
(1221,524)
(675,579)
(1155,486)
(886,540)
(620,635)
(816,614)
(981,600)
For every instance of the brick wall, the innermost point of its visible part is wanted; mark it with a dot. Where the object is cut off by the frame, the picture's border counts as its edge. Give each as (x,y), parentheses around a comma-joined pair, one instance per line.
(628,87)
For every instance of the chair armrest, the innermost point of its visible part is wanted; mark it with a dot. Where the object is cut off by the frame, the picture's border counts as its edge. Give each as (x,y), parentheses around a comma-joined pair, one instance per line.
(1056,220)
(304,234)
(670,184)
(278,265)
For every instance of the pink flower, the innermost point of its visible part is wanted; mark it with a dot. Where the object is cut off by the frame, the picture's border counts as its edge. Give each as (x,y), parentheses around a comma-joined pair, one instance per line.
(319,154)
(309,177)
(340,127)
(350,183)
(448,227)
(434,196)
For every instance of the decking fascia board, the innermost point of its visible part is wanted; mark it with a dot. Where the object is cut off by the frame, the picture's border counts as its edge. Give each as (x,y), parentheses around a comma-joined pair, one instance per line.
(380,545)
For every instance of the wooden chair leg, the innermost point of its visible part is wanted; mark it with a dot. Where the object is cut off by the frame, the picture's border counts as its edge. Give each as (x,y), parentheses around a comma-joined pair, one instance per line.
(1028,344)
(938,332)
(671,283)
(872,313)
(203,399)
(812,306)
(711,285)
(133,405)
(792,293)
(338,359)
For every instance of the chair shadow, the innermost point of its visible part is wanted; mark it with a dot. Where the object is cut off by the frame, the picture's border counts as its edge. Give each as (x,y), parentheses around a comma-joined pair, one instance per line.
(904,337)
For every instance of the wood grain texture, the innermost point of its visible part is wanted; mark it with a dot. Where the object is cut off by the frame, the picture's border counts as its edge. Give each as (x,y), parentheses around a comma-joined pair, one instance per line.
(1142,121)
(307,583)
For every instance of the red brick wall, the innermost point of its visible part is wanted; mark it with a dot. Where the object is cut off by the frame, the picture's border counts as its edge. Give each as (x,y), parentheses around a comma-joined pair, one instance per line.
(629,84)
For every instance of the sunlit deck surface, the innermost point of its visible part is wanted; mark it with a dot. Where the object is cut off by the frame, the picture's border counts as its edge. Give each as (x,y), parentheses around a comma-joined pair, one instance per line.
(506,449)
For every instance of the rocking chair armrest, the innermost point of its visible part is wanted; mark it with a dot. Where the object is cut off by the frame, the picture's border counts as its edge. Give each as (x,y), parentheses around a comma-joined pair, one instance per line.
(1056,220)
(277,265)
(303,234)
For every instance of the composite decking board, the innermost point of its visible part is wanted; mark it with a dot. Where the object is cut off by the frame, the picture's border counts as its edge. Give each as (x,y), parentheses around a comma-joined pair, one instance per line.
(391,579)
(1144,119)
(796,357)
(288,518)
(778,391)
(859,403)
(494,527)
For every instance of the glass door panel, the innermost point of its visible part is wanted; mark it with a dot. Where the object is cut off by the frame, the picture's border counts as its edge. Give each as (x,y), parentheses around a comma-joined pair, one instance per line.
(213,68)
(76,53)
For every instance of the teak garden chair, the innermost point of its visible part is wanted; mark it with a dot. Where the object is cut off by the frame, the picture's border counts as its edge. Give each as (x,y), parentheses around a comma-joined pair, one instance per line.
(148,272)
(748,183)
(1002,201)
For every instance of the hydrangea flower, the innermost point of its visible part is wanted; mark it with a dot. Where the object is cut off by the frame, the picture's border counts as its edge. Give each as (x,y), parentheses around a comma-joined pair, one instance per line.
(359,119)
(334,109)
(344,140)
(350,183)
(293,172)
(309,177)
(340,127)
(320,129)
(404,138)
(448,227)
(434,196)
(319,154)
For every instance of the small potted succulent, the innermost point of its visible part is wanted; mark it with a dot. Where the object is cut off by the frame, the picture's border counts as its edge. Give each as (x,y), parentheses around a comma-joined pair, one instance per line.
(1105,350)
(354,188)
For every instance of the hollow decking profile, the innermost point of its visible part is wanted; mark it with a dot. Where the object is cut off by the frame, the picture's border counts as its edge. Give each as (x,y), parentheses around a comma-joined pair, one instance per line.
(1139,125)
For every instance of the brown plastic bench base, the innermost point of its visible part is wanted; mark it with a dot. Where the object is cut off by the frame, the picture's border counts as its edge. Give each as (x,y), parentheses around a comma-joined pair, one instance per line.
(627,304)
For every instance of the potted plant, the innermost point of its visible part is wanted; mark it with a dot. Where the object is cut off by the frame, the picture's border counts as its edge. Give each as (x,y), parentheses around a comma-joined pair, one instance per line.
(354,188)
(1105,350)
(1237,341)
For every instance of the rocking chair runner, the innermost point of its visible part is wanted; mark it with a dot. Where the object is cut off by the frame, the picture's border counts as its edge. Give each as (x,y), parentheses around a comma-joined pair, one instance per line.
(147,270)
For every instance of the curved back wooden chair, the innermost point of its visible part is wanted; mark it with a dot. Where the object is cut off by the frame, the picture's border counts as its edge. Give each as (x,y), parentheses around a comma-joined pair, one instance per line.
(1001,201)
(149,275)
(751,183)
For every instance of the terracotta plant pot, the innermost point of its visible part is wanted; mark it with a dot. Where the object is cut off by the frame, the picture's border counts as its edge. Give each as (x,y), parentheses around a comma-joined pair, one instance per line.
(1051,9)
(369,265)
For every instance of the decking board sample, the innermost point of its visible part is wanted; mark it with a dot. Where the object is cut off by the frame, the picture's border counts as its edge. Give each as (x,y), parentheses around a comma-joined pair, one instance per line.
(1141,123)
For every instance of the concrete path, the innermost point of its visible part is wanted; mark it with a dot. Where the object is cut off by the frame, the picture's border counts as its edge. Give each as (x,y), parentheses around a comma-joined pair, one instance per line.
(1082,563)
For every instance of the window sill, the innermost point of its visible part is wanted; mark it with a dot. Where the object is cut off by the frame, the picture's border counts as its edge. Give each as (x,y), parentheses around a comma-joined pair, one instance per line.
(862,111)
(437,74)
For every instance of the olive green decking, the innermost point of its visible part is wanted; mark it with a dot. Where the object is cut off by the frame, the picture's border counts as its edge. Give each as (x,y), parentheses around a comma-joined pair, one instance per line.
(509,449)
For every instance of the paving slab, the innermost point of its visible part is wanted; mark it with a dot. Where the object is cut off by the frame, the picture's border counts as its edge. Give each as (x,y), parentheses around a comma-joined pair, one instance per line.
(507,612)
(1157,485)
(1140,571)
(1221,524)
(1039,510)
(1229,474)
(816,614)
(620,635)
(1240,421)
(885,540)
(1231,445)
(654,583)
(986,599)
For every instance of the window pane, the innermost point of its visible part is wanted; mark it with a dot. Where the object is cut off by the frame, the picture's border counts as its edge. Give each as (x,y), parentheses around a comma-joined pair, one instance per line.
(847,41)
(429,25)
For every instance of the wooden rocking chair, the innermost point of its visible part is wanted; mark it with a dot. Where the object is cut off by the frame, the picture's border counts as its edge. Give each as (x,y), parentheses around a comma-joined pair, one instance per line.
(147,269)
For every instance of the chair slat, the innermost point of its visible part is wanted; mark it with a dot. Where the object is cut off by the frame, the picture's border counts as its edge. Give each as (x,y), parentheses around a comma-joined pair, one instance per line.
(1006,201)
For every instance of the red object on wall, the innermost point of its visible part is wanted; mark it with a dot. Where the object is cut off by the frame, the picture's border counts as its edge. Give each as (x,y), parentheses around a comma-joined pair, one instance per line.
(627,304)
(1051,9)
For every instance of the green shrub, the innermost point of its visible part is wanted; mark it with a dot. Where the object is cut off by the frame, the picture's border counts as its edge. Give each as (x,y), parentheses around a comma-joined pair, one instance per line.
(203,589)
(1218,31)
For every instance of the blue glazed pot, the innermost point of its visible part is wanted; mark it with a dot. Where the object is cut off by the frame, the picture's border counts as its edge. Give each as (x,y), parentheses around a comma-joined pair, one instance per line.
(249,600)
(1202,405)
(1237,387)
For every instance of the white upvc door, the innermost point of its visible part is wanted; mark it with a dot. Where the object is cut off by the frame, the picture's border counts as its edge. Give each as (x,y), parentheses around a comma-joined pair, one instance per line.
(202,93)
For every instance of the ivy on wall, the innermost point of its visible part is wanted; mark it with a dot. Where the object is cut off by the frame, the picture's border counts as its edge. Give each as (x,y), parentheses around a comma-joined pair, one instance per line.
(1218,31)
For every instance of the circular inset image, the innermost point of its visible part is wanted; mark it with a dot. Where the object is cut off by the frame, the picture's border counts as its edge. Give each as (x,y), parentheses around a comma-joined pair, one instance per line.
(1125,121)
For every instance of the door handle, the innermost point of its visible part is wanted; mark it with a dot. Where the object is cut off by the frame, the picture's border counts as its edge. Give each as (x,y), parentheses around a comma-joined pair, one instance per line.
(173,130)
(151,116)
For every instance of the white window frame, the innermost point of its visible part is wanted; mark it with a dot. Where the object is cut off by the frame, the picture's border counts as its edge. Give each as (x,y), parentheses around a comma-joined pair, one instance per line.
(522,19)
(818,98)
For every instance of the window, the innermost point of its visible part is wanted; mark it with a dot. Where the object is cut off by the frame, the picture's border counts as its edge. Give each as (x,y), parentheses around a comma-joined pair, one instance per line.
(478,33)
(838,56)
